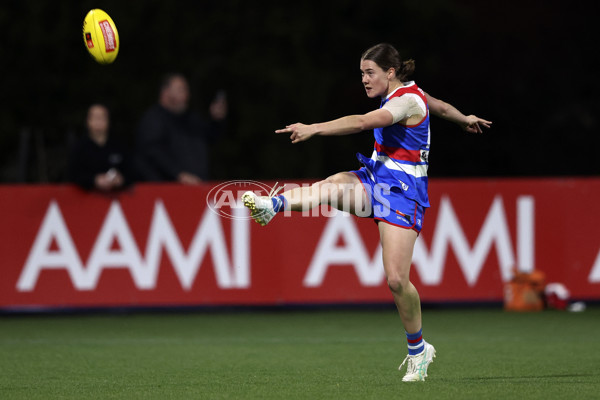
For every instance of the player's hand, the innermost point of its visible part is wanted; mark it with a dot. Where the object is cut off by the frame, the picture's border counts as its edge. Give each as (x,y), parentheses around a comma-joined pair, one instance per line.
(298,132)
(473,124)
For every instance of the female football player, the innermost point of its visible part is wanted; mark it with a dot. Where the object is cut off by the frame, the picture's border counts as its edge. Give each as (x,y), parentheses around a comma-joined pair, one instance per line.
(391,187)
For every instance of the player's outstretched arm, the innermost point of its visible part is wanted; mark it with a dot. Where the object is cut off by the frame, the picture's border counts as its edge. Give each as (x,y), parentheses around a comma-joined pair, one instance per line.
(341,126)
(469,123)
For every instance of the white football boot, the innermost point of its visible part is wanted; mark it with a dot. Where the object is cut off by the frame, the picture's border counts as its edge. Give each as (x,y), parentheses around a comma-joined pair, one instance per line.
(261,207)
(416,368)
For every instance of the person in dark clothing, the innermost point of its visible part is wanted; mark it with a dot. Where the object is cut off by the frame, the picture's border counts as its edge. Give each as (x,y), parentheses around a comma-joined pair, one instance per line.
(172,142)
(98,161)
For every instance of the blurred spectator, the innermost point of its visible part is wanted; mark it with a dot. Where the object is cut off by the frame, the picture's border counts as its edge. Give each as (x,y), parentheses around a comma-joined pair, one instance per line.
(98,161)
(172,142)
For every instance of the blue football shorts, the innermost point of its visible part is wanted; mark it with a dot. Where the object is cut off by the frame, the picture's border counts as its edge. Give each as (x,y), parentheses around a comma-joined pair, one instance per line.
(389,204)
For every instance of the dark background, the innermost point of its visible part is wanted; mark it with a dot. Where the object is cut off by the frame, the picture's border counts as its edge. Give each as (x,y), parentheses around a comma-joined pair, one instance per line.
(529,66)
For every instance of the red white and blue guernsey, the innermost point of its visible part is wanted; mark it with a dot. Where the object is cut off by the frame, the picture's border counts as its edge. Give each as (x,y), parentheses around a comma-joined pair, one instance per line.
(400,156)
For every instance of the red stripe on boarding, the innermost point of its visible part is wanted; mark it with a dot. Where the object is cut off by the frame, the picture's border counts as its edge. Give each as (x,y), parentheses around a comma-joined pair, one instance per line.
(398,153)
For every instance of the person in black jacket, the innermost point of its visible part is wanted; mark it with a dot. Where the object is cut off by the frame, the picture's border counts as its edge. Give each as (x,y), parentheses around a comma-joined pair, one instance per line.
(172,142)
(98,161)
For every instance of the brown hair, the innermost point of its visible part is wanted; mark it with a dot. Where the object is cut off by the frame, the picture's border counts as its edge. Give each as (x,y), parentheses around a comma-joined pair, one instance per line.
(386,56)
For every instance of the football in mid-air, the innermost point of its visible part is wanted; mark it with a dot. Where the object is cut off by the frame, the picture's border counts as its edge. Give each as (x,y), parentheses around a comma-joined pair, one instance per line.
(100,36)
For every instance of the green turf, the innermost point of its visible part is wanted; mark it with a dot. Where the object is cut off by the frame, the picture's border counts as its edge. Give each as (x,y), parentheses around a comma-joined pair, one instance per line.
(482,354)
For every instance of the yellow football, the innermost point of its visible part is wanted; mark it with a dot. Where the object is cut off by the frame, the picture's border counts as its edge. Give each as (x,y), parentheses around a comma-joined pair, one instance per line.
(100,36)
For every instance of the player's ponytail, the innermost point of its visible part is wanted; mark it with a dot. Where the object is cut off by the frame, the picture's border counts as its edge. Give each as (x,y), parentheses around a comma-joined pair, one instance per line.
(406,69)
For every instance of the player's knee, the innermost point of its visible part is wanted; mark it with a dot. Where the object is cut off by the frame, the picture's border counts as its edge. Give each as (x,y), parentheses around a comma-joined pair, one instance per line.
(328,187)
(326,183)
(341,178)
(397,282)
(332,179)
(336,190)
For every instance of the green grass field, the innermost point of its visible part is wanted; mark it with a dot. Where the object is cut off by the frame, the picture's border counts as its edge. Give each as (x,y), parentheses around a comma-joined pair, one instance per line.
(481,354)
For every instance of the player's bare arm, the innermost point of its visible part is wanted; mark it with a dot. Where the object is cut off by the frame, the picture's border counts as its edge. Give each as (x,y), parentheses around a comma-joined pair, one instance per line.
(342,126)
(469,123)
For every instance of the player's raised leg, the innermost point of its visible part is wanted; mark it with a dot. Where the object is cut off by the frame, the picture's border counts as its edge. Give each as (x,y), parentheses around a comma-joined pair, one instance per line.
(343,191)
(397,247)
